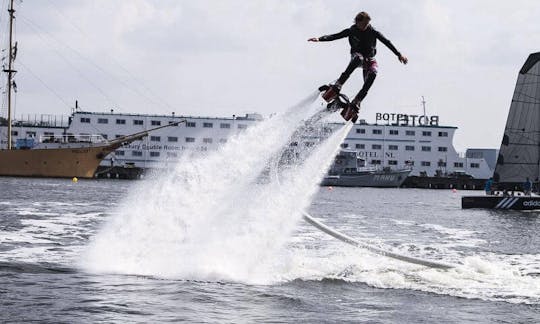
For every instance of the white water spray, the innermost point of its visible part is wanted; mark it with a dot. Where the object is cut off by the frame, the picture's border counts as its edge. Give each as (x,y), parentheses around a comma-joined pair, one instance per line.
(209,219)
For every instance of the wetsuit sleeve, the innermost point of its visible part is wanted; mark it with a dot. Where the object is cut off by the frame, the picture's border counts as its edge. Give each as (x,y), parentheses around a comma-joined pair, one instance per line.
(342,34)
(387,42)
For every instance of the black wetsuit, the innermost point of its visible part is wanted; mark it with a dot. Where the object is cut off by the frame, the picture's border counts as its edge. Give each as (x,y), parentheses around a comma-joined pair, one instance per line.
(363,50)
(363,42)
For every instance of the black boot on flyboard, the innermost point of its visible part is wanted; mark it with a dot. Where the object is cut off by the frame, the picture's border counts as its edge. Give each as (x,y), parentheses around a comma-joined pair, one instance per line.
(337,100)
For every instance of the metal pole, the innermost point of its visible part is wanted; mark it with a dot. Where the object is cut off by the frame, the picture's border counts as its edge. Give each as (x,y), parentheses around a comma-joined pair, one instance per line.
(424,106)
(9,70)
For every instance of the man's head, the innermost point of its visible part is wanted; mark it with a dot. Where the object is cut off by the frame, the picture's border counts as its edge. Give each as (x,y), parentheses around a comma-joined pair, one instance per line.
(362,20)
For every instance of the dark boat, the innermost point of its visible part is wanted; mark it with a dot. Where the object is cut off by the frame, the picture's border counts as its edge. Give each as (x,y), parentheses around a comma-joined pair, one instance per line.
(349,170)
(515,202)
(519,154)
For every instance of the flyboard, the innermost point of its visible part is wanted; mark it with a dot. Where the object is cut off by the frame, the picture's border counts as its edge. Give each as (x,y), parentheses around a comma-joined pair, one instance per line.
(338,235)
(336,101)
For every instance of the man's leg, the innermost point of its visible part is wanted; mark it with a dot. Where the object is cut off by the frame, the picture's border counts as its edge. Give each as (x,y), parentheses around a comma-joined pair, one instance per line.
(333,92)
(370,73)
(356,61)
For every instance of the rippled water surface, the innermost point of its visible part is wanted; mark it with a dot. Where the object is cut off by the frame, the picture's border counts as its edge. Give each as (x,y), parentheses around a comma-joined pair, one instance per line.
(64,257)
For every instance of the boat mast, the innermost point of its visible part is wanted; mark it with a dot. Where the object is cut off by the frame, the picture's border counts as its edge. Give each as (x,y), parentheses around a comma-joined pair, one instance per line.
(424,106)
(10,72)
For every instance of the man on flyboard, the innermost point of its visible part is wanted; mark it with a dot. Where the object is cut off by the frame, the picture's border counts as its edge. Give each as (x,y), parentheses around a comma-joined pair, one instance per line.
(363,40)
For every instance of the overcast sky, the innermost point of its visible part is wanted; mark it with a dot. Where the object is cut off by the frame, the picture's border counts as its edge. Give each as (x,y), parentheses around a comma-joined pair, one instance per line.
(219,58)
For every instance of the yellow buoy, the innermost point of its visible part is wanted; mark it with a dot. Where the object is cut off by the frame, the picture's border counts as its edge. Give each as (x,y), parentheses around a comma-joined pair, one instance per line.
(74,179)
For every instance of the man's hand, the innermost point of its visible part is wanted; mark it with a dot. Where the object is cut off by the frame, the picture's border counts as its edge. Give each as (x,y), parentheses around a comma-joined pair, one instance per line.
(313,39)
(403,59)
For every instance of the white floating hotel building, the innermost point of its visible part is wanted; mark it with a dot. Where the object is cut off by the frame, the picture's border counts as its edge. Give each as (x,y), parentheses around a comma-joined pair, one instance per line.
(395,140)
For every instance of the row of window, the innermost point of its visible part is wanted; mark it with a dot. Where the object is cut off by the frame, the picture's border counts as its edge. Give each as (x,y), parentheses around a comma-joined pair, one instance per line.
(206,140)
(158,123)
(174,139)
(377,131)
(140,153)
(86,120)
(395,147)
(425,163)
(373,162)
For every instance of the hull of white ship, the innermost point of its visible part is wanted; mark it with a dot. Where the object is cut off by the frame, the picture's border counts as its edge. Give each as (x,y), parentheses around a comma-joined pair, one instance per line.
(382,179)
(57,163)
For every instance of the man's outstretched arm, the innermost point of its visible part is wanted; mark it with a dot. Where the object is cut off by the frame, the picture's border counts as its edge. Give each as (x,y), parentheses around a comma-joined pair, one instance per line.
(326,38)
(388,43)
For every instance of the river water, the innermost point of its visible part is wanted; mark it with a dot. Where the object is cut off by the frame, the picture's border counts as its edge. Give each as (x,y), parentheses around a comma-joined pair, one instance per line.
(219,237)
(49,232)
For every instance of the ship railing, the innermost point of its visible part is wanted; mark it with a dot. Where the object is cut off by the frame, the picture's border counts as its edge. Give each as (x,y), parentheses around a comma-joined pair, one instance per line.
(375,168)
(70,138)
(41,121)
(367,169)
